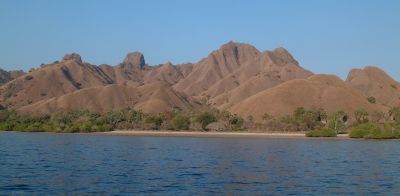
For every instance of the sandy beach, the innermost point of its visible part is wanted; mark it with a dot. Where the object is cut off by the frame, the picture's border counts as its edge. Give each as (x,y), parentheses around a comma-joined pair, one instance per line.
(164,133)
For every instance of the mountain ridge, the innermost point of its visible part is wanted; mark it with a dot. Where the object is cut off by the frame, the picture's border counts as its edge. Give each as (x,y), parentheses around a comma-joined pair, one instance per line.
(234,77)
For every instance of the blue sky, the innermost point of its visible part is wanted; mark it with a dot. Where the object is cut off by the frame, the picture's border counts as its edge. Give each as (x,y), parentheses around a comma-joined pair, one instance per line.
(324,36)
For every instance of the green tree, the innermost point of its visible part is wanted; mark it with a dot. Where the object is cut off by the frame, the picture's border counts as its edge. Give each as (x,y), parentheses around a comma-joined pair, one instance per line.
(361,116)
(394,113)
(377,116)
(305,119)
(322,116)
(336,121)
(236,123)
(155,119)
(225,115)
(180,122)
(134,117)
(206,118)
(250,121)
(266,117)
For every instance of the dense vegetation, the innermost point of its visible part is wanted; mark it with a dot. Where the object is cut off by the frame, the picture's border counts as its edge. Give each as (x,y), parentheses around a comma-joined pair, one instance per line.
(377,125)
(316,123)
(86,121)
(376,131)
(60,122)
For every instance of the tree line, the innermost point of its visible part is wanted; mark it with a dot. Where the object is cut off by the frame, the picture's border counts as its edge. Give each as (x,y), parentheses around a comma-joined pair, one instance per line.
(86,121)
(315,122)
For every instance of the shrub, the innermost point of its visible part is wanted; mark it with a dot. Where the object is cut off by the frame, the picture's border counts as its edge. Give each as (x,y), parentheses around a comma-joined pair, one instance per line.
(267,117)
(375,131)
(85,127)
(362,130)
(371,99)
(28,77)
(180,122)
(324,132)
(155,120)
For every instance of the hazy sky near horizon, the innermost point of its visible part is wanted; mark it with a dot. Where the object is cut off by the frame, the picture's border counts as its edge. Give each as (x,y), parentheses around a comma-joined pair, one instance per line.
(324,36)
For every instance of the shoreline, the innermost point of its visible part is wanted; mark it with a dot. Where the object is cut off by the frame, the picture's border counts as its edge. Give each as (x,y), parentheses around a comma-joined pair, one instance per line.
(204,134)
(164,133)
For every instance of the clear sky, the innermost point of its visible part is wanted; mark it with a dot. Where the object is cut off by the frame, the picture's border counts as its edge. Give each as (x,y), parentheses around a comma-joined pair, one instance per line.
(324,36)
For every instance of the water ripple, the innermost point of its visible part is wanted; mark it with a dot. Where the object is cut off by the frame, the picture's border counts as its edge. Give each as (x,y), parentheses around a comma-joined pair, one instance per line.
(90,164)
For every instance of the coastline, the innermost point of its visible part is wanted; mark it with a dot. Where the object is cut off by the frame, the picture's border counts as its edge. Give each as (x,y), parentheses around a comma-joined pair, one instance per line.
(203,134)
(166,133)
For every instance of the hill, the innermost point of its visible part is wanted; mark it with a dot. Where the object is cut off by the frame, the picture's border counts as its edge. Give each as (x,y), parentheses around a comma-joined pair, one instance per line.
(216,66)
(52,80)
(265,71)
(326,92)
(152,98)
(374,82)
(236,77)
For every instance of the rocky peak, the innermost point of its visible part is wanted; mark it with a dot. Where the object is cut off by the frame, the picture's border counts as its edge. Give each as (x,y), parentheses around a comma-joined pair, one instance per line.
(283,56)
(234,54)
(134,60)
(236,47)
(168,64)
(366,73)
(230,45)
(73,56)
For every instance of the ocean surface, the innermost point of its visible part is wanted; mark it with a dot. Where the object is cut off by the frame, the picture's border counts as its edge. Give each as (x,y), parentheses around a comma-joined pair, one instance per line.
(94,164)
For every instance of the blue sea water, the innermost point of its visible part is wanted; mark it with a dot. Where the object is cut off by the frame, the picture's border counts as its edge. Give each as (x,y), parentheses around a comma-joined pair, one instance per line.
(94,164)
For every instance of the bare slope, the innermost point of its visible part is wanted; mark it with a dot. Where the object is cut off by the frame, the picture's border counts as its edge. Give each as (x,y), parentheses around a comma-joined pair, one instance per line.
(216,66)
(373,82)
(52,80)
(153,98)
(319,91)
(267,70)
(167,73)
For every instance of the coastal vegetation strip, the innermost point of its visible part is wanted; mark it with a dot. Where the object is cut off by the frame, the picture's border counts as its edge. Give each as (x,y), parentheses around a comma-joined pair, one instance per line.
(314,123)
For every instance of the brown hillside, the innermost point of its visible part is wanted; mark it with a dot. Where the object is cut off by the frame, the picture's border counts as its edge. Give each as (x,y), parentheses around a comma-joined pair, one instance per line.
(216,66)
(319,91)
(373,82)
(52,80)
(236,77)
(154,98)
(96,99)
(267,70)
(160,97)
(166,72)
(6,76)
(130,71)
(185,69)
